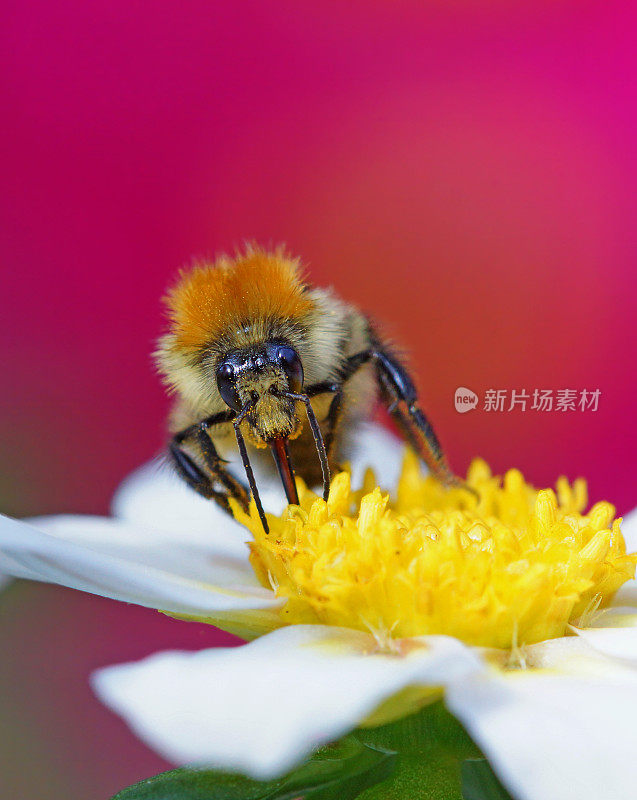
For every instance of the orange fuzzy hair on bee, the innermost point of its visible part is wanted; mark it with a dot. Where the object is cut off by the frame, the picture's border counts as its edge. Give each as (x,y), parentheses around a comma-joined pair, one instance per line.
(209,299)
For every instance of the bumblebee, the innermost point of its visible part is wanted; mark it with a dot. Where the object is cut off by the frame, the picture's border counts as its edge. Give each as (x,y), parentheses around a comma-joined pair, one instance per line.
(258,359)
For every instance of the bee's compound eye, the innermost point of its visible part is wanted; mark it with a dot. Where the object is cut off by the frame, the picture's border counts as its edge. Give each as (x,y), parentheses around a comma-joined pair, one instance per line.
(289,359)
(226,384)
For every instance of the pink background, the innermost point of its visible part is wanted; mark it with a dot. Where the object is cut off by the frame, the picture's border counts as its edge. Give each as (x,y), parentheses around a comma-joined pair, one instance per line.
(464,171)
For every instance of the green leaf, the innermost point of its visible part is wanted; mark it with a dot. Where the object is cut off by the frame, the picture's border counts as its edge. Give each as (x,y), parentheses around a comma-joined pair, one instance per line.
(338,772)
(431,745)
(480,783)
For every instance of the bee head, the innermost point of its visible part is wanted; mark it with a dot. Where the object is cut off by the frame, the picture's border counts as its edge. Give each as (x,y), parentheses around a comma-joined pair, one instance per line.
(260,375)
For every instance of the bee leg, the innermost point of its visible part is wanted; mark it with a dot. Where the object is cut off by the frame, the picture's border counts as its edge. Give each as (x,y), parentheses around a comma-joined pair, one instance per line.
(399,392)
(192,474)
(332,419)
(333,412)
(195,476)
(214,463)
(351,366)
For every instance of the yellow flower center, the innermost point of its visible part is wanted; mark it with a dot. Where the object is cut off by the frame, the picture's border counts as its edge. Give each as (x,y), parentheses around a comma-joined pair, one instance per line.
(514,567)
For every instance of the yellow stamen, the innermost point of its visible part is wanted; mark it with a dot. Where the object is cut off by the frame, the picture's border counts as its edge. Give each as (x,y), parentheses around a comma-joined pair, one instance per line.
(510,569)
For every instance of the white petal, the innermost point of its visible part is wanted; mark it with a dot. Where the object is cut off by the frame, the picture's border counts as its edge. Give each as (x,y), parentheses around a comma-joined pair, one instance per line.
(105,557)
(613,633)
(626,595)
(374,446)
(154,497)
(552,736)
(220,539)
(222,558)
(263,707)
(629,530)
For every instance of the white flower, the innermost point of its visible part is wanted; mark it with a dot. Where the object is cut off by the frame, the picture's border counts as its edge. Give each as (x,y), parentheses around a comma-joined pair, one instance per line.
(564,726)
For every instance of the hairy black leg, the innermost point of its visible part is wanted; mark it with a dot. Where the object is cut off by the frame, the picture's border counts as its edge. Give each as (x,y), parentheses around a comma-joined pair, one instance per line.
(243,452)
(333,418)
(399,392)
(318,437)
(351,366)
(333,412)
(217,468)
(194,475)
(208,422)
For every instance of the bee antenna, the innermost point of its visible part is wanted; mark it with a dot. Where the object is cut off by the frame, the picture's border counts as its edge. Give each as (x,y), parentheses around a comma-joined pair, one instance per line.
(248,466)
(318,438)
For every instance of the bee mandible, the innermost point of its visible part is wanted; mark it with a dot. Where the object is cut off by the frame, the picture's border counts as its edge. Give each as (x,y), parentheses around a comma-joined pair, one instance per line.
(260,359)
